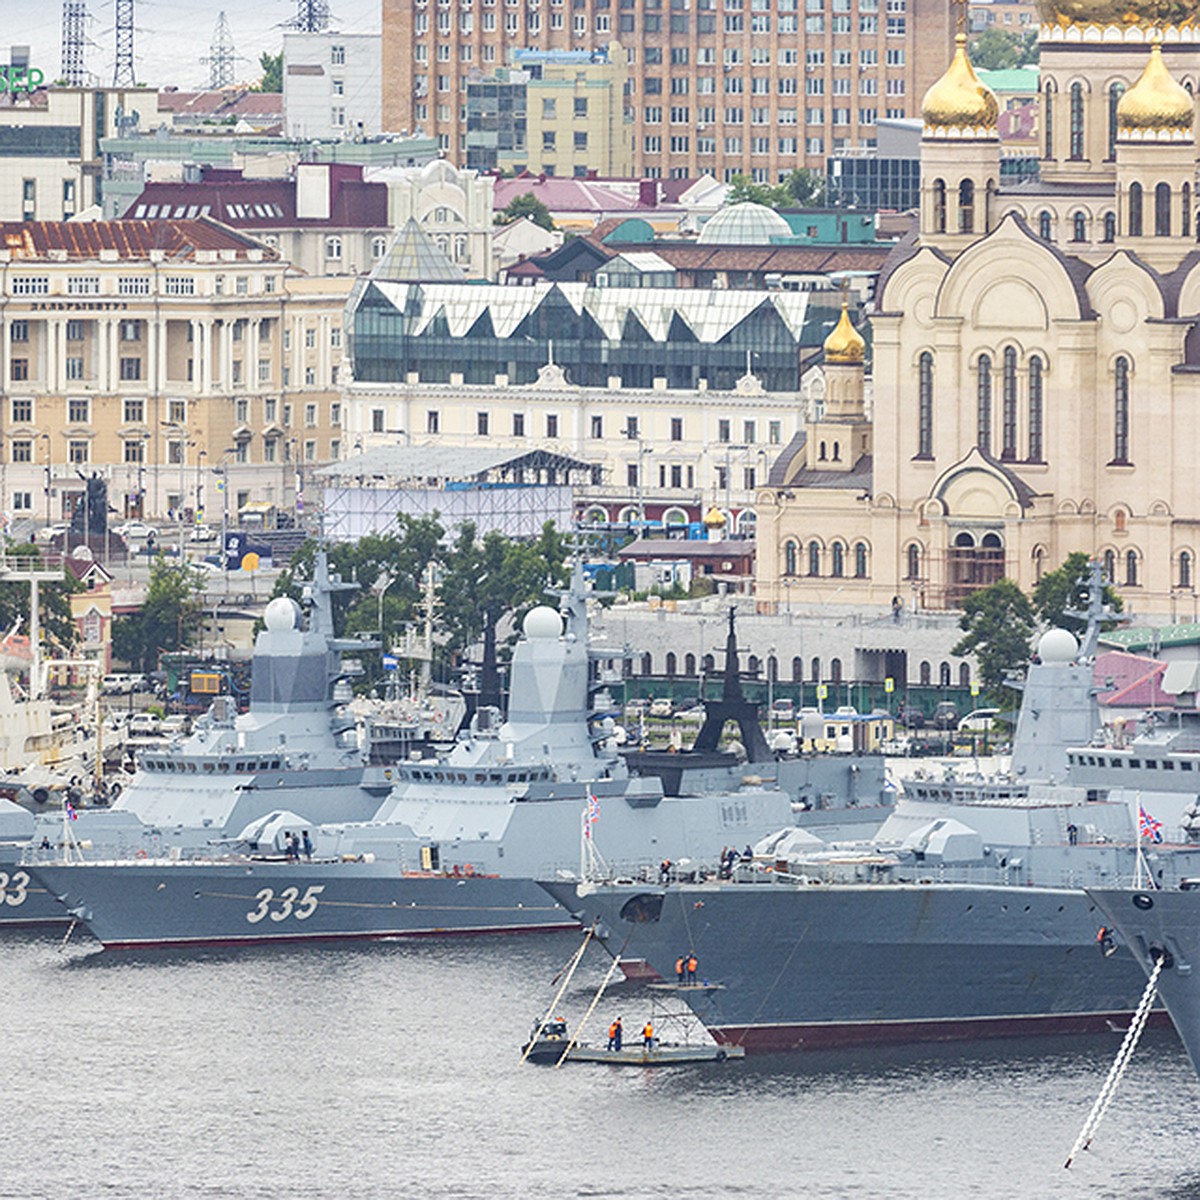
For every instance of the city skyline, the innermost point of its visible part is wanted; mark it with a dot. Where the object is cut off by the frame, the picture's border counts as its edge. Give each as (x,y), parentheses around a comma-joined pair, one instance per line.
(172,36)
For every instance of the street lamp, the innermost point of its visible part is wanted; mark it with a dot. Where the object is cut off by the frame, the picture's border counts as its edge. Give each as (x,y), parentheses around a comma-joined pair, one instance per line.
(200,483)
(771,667)
(181,436)
(633,432)
(46,438)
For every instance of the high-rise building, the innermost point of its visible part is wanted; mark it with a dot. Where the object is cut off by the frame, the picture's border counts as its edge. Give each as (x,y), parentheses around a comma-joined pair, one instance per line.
(756,87)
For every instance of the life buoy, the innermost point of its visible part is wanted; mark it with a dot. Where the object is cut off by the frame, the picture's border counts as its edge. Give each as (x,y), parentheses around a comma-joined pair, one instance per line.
(468,869)
(437,718)
(140,854)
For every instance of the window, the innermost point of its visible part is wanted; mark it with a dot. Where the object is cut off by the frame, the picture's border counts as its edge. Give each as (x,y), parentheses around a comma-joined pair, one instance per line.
(551,426)
(939,206)
(74,331)
(337,56)
(1045,228)
(925,405)
(723,432)
(1131,568)
(31,285)
(1036,417)
(1135,210)
(518,425)
(78,453)
(984,404)
(1008,433)
(19,369)
(134,411)
(1114,98)
(1121,411)
(179,285)
(482,424)
(177,411)
(1185,569)
(789,558)
(133,285)
(22,452)
(1076,131)
(814,558)
(19,331)
(333,247)
(966,206)
(1162,210)
(83,285)
(310,416)
(135,451)
(175,453)
(1110,227)
(74,366)
(131,331)
(1079,227)
(79,411)
(131,368)
(860,560)
(433,421)
(838,560)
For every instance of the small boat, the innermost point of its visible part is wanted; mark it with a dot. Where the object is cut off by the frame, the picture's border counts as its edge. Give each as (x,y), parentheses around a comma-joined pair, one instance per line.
(549,1039)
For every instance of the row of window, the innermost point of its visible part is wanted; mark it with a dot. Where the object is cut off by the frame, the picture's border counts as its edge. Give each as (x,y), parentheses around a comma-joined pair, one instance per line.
(818,671)
(274,449)
(836,558)
(133,285)
(133,412)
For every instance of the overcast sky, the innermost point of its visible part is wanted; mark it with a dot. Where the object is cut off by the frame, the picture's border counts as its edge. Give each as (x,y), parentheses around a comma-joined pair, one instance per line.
(170,36)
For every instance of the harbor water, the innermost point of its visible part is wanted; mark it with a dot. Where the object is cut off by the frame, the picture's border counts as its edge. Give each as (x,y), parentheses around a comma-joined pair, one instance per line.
(392,1070)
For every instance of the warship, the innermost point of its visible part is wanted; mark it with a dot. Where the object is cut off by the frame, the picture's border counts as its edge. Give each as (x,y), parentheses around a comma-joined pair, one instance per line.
(457,843)
(964,917)
(292,752)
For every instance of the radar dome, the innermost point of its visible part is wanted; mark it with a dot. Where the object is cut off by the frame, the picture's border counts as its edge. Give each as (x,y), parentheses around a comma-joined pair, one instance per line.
(542,622)
(282,614)
(1057,646)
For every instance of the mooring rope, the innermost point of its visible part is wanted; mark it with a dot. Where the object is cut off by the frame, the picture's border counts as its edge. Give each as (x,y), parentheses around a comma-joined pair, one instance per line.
(1120,1064)
(576,959)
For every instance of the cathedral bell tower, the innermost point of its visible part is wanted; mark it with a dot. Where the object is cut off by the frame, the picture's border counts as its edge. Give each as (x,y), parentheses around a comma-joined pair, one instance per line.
(843,435)
(960,156)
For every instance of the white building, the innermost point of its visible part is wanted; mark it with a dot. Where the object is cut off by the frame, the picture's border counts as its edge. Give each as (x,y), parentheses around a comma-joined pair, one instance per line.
(331,85)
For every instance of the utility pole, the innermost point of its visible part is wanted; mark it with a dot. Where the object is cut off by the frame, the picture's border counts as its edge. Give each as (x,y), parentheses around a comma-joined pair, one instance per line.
(74,21)
(221,56)
(123,75)
(312,16)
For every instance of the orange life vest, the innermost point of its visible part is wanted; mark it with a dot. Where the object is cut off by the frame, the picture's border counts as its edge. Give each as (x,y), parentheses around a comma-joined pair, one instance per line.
(648,1032)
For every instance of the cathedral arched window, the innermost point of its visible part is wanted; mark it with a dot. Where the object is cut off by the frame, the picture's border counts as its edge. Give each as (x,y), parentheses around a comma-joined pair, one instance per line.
(1044,226)
(816,670)
(1135,210)
(835,670)
(789,558)
(1077,120)
(1079,227)
(838,560)
(689,664)
(797,670)
(1036,410)
(966,206)
(925,405)
(1110,227)
(1110,567)
(1114,98)
(964,675)
(944,674)
(1131,568)
(814,558)
(1121,411)
(1048,116)
(983,404)
(926,674)
(860,560)
(1162,210)
(1008,432)
(914,562)
(670,662)
(939,206)
(1185,569)
(1185,212)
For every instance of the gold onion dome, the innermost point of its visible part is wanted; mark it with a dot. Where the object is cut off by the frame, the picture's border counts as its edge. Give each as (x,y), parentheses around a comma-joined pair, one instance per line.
(845,344)
(1156,102)
(960,100)
(1145,14)
(714,518)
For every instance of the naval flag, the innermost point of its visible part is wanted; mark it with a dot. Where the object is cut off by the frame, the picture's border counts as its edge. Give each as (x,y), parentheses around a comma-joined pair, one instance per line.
(591,814)
(72,815)
(1148,827)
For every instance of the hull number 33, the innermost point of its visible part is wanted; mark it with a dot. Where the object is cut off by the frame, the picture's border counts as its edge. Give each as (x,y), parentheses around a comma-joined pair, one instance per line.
(289,903)
(13,890)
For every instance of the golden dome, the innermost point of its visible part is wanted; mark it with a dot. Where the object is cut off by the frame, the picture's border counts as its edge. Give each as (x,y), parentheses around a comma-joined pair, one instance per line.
(1156,102)
(1145,14)
(714,518)
(960,100)
(845,344)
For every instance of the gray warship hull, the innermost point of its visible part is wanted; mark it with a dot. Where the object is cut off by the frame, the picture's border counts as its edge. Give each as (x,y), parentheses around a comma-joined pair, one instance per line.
(233,903)
(1148,922)
(789,967)
(24,901)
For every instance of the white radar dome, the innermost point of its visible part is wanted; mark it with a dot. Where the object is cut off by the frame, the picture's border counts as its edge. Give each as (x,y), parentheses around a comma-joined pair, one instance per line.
(282,614)
(1057,646)
(542,622)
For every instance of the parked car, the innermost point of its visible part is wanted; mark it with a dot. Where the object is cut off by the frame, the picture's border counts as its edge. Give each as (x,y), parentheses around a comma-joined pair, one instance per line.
(202,533)
(979,721)
(121,684)
(134,529)
(639,704)
(945,716)
(661,707)
(145,725)
(783,710)
(48,533)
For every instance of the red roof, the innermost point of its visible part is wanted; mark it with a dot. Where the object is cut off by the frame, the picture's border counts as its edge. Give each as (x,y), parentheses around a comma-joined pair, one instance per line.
(563,195)
(239,102)
(179,240)
(1136,681)
(268,203)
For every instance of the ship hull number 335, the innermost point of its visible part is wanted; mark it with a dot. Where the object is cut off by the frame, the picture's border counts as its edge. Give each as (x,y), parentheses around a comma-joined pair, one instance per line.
(288,903)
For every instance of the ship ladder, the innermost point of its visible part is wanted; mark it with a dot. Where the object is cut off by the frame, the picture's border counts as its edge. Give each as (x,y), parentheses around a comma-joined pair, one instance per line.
(575,960)
(1120,1064)
(592,1007)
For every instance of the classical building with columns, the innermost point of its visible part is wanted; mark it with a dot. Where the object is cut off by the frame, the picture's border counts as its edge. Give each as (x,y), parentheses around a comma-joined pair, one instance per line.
(1036,348)
(157,353)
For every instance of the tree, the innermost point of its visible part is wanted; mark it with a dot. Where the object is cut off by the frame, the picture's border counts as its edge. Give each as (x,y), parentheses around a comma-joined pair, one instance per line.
(272,76)
(526,205)
(1000,50)
(743,188)
(806,188)
(169,616)
(998,622)
(1066,588)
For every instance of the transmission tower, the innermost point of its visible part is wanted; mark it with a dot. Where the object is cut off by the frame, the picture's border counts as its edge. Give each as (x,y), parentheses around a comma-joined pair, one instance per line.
(221,56)
(123,71)
(311,16)
(74,22)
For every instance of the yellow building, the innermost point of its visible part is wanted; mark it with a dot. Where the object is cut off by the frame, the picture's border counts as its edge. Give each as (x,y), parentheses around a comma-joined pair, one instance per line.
(156,353)
(1036,351)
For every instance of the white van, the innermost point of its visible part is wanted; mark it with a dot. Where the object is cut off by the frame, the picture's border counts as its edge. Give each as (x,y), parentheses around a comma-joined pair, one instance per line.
(979,721)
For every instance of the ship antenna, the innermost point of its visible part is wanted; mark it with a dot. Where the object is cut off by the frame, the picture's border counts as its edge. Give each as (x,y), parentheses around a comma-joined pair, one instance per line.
(1096,613)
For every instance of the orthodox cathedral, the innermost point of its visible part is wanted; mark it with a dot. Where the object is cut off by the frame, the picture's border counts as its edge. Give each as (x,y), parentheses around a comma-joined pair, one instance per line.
(1036,347)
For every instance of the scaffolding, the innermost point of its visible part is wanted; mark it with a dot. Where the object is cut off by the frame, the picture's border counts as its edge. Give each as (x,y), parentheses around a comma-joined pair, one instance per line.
(74,38)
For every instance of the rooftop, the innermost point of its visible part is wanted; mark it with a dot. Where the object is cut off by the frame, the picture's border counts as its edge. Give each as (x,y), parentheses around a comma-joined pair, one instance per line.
(178,240)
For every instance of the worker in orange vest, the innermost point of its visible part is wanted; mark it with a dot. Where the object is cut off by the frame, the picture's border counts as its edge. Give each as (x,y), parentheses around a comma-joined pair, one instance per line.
(648,1036)
(614,1035)
(692,963)
(679,967)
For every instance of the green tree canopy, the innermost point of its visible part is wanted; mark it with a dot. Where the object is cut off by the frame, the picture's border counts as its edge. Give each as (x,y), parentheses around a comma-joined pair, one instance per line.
(803,188)
(807,188)
(54,602)
(1065,588)
(272,76)
(1000,49)
(168,619)
(526,205)
(998,624)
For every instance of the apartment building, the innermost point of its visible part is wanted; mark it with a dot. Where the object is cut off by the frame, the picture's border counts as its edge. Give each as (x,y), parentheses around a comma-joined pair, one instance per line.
(331,84)
(757,87)
(170,357)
